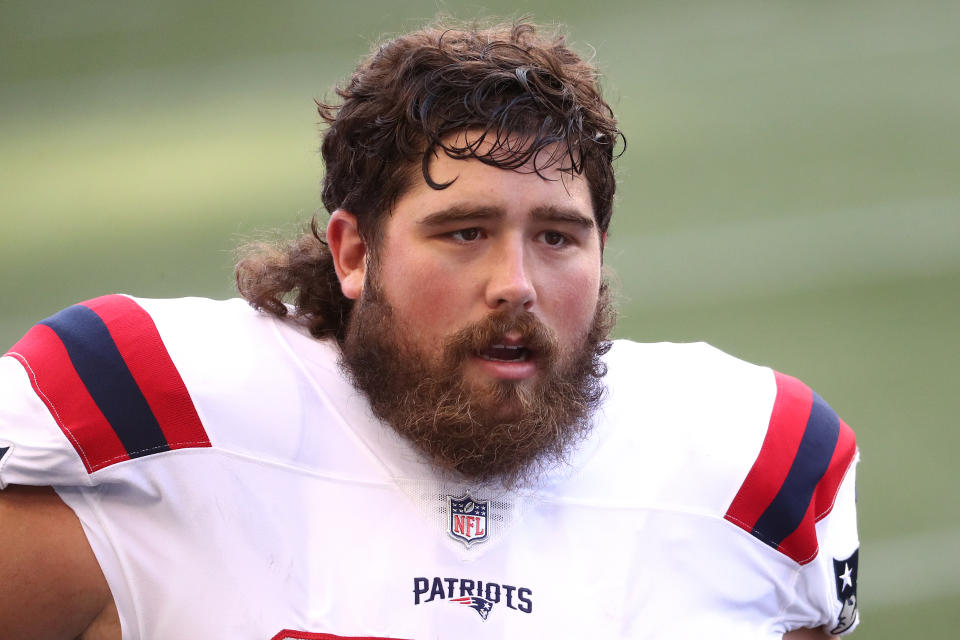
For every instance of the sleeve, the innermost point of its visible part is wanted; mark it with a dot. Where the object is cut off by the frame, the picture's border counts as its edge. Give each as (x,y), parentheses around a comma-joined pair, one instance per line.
(828,584)
(87,388)
(33,448)
(798,498)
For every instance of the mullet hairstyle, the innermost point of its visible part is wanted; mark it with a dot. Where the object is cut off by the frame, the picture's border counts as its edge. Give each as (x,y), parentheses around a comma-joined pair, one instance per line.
(517,92)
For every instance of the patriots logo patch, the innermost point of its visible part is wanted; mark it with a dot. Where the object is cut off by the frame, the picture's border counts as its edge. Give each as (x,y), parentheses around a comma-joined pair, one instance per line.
(481,605)
(5,448)
(845,573)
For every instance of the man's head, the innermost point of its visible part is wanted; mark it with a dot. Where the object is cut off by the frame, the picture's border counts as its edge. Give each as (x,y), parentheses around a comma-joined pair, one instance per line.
(521,92)
(469,176)
(479,319)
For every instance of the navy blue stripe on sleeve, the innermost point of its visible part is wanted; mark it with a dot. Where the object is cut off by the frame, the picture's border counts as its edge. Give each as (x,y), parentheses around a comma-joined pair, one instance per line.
(787,509)
(108,380)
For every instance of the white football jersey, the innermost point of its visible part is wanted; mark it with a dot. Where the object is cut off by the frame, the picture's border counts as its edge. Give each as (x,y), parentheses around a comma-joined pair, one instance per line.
(233,484)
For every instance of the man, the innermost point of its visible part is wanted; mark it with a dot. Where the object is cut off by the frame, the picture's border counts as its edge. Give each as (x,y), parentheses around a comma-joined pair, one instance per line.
(435,439)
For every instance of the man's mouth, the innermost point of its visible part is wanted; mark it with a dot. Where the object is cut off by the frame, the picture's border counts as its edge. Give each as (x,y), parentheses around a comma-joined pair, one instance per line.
(505,353)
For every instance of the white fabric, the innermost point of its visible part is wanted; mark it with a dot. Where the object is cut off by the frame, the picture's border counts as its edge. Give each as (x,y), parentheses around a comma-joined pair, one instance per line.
(308,514)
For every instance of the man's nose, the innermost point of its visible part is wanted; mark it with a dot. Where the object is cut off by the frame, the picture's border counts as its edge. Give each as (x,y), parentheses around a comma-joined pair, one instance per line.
(511,282)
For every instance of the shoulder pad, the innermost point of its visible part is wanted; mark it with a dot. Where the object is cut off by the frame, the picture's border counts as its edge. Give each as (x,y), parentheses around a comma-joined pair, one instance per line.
(104,373)
(794,481)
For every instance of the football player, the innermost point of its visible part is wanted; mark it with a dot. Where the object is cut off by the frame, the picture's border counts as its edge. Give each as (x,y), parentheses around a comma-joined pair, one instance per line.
(414,423)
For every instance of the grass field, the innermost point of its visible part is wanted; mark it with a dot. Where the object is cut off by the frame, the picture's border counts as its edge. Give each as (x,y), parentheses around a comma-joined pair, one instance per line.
(790,193)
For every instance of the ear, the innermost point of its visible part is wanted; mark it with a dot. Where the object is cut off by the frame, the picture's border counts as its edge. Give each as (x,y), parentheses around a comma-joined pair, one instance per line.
(349,252)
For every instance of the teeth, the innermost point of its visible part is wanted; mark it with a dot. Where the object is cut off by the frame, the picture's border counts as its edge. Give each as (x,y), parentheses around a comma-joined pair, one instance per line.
(511,353)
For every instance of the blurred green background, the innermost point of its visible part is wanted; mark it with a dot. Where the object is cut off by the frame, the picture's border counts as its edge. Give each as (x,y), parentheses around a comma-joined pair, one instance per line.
(790,193)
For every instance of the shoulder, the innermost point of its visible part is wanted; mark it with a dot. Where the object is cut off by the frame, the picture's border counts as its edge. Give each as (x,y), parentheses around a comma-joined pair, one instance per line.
(667,365)
(117,332)
(118,378)
(736,440)
(755,457)
(806,452)
(107,381)
(705,406)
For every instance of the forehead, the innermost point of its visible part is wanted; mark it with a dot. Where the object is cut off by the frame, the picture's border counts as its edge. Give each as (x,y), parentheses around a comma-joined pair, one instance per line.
(543,182)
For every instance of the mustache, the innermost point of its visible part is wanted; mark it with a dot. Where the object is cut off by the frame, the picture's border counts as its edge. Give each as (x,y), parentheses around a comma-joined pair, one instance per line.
(534,336)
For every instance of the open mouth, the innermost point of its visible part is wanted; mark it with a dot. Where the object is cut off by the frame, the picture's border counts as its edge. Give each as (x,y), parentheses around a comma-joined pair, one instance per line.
(506,353)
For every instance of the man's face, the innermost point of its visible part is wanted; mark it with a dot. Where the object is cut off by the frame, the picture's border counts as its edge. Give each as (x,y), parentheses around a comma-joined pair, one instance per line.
(480,324)
(495,241)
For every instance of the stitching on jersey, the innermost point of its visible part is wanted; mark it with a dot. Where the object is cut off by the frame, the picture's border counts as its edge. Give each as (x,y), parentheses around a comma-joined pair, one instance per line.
(759,536)
(53,409)
(816,550)
(131,454)
(794,578)
(746,527)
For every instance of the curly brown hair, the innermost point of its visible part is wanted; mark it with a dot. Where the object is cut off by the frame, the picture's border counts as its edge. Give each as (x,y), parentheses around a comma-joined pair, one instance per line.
(521,92)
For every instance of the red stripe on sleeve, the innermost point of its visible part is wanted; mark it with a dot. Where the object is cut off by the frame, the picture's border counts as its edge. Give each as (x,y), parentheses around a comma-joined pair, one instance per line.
(788,420)
(802,543)
(829,485)
(144,353)
(57,383)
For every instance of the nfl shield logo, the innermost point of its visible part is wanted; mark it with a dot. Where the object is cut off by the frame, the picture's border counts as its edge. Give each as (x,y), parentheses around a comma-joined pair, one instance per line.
(468,519)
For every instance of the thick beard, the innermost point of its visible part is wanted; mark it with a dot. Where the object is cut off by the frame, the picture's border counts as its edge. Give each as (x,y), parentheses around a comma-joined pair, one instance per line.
(506,431)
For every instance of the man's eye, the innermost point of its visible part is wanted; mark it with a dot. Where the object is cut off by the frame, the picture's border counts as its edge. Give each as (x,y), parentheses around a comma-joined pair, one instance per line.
(554,238)
(466,235)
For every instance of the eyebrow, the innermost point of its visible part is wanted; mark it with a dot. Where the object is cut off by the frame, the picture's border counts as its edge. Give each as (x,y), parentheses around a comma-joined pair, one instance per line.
(569,216)
(459,213)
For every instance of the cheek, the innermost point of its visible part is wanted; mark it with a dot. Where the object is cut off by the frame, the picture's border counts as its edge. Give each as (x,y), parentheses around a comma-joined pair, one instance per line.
(427,300)
(575,302)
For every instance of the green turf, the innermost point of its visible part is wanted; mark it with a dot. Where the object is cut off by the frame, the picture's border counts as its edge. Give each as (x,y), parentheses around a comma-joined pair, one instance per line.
(789,193)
